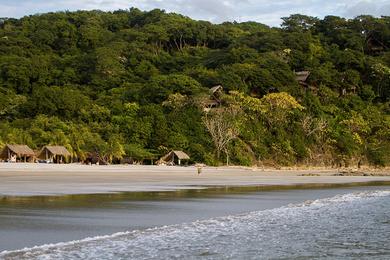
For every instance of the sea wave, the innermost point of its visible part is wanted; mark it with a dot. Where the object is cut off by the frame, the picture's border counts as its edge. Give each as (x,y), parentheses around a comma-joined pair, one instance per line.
(240,236)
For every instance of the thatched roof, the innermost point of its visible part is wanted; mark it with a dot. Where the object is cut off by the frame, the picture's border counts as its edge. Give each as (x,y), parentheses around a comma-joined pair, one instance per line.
(215,89)
(302,76)
(56,150)
(20,150)
(179,154)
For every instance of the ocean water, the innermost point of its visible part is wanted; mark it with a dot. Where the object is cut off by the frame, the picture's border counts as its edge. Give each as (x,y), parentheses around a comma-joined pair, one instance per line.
(349,226)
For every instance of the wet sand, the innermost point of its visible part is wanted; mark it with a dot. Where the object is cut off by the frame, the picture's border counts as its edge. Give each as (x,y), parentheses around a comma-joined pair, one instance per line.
(48,179)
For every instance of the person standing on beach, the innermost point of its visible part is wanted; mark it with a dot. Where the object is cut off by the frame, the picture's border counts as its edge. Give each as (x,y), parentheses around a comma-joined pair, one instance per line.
(199,170)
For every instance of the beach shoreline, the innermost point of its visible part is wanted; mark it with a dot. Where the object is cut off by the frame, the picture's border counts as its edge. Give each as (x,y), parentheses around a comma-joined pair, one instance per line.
(72,179)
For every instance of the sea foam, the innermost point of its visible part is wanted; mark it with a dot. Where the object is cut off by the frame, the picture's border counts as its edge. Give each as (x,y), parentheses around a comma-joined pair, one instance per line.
(309,227)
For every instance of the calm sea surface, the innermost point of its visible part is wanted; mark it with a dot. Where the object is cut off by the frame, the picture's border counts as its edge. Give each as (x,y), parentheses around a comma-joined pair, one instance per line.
(343,223)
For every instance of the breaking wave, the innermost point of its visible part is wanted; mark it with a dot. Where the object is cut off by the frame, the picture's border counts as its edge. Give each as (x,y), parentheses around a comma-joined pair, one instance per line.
(350,225)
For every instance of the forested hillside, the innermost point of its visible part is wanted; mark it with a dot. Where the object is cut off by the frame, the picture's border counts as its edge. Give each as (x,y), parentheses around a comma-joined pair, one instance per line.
(137,84)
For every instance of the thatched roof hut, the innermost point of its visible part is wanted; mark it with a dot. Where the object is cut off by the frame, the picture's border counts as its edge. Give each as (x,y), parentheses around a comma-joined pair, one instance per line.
(214,100)
(54,153)
(174,157)
(12,152)
(216,89)
(301,76)
(216,93)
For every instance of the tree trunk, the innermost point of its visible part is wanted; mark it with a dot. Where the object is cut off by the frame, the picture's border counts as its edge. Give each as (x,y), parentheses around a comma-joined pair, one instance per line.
(227,159)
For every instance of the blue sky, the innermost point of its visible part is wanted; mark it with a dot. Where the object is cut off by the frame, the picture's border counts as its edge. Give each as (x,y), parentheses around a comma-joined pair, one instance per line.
(264,11)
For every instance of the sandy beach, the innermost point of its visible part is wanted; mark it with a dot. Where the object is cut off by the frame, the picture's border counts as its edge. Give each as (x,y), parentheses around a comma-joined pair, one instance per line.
(49,179)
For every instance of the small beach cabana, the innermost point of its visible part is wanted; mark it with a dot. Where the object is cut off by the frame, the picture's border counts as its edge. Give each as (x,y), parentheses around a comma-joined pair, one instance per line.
(174,157)
(16,152)
(54,154)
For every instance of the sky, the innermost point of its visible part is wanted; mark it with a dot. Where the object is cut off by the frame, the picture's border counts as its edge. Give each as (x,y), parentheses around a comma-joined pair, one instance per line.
(264,11)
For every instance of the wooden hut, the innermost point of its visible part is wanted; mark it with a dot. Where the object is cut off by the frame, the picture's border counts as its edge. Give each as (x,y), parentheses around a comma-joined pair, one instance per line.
(302,76)
(216,92)
(54,154)
(215,98)
(17,153)
(174,157)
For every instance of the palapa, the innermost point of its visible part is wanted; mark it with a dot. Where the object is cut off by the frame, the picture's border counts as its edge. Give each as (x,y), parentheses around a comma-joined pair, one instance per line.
(13,151)
(54,153)
(170,157)
(55,150)
(19,149)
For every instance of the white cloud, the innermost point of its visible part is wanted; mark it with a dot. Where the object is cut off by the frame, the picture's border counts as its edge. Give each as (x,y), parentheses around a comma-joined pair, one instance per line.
(265,11)
(376,8)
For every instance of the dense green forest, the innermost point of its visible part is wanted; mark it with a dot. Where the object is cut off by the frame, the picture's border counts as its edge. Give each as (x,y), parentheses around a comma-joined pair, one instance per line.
(137,84)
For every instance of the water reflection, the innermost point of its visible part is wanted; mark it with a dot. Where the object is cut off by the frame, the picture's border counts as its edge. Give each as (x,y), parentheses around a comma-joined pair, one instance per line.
(93,200)
(30,221)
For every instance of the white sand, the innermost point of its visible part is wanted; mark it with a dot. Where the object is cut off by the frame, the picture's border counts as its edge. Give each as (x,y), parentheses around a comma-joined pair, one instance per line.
(49,179)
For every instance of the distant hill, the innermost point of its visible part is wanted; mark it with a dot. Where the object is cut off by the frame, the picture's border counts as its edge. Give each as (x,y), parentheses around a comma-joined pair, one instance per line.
(134,84)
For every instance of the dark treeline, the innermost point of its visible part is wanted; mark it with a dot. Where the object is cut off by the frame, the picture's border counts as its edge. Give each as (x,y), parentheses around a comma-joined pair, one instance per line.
(137,84)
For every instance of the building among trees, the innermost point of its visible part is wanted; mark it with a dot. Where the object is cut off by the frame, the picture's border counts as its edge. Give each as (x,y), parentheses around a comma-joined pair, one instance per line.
(301,77)
(215,98)
(17,153)
(173,158)
(54,154)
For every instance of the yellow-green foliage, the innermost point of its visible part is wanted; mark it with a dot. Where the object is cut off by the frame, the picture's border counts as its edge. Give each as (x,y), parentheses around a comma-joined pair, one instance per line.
(129,83)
